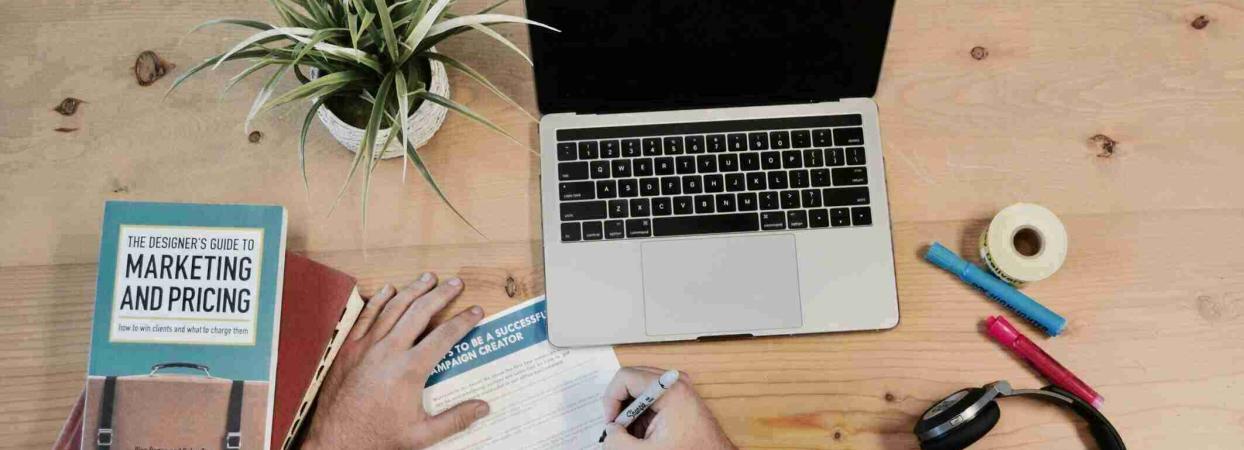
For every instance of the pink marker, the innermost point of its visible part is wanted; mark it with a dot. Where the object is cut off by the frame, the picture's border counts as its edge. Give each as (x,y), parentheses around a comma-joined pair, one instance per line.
(1002,331)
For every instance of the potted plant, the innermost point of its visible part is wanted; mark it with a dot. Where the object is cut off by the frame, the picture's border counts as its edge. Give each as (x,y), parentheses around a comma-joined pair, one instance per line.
(370,71)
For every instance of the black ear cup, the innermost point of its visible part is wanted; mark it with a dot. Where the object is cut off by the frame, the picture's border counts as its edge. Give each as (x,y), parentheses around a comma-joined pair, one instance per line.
(968,432)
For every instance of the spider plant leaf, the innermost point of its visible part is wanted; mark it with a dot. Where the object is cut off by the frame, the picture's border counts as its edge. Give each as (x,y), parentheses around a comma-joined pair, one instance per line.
(462,109)
(256,24)
(478,77)
(247,72)
(403,112)
(302,141)
(413,157)
(316,38)
(246,54)
(262,96)
(321,15)
(347,53)
(275,32)
(369,135)
(421,28)
(290,16)
(318,86)
(495,35)
(457,22)
(386,28)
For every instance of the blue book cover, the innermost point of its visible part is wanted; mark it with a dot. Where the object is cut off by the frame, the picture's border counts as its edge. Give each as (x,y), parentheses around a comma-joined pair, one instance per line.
(186,325)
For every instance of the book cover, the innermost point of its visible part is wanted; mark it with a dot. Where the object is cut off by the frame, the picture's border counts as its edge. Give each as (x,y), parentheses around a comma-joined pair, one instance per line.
(186,324)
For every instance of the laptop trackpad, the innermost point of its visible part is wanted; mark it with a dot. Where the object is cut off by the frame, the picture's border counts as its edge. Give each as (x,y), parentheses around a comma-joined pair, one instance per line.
(721,285)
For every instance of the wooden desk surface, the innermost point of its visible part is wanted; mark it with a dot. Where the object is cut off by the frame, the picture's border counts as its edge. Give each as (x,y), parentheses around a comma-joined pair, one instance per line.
(1153,285)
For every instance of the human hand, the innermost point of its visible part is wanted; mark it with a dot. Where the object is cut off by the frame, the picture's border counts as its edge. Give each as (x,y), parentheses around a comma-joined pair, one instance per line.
(373,396)
(678,420)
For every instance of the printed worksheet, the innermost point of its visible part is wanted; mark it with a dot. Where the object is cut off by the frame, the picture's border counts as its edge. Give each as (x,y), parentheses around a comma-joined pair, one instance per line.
(542,397)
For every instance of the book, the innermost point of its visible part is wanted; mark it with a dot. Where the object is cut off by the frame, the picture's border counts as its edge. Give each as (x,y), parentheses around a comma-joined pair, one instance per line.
(185,330)
(319,306)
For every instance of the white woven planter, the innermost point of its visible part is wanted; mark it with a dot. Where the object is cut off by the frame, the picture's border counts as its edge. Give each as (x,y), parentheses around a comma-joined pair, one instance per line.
(424,121)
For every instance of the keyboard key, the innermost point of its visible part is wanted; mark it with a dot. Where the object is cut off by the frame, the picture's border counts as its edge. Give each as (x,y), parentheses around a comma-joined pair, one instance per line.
(640,207)
(845,196)
(834,157)
(728,162)
(714,183)
(649,187)
(725,203)
(850,176)
(571,232)
(738,142)
(614,229)
(692,184)
(797,219)
(566,151)
(747,202)
(685,164)
(716,143)
(839,217)
(606,189)
(820,177)
(582,210)
(673,145)
(779,139)
(663,166)
(801,139)
(777,180)
(579,190)
(704,204)
(735,182)
(770,160)
(790,199)
(769,200)
(749,161)
(587,150)
(695,144)
(652,147)
(661,206)
(818,218)
(861,215)
(628,188)
(799,179)
(572,171)
(706,163)
(630,148)
(592,231)
(758,141)
(814,157)
(621,168)
(639,228)
(822,137)
(600,169)
(811,198)
(756,181)
(618,209)
(849,136)
(792,159)
(722,223)
(855,156)
(642,167)
(684,205)
(671,186)
(609,149)
(773,220)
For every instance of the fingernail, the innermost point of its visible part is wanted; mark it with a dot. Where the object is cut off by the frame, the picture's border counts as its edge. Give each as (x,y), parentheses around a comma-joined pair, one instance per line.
(455,282)
(481,410)
(427,276)
(477,311)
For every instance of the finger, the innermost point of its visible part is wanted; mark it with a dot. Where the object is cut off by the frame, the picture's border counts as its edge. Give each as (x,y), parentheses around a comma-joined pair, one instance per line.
(397,306)
(628,383)
(455,419)
(618,438)
(440,340)
(415,320)
(368,316)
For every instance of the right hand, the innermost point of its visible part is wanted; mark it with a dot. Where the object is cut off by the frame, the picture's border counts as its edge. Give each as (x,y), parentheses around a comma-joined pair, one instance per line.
(678,420)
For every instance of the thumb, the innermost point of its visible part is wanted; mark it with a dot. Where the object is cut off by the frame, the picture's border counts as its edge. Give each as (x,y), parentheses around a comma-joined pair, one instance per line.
(616,437)
(453,420)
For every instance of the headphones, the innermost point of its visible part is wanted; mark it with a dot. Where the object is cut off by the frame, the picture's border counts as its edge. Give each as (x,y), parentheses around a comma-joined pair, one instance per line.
(967,415)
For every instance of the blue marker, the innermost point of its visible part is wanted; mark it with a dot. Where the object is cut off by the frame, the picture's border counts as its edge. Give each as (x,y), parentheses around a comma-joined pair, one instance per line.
(999,290)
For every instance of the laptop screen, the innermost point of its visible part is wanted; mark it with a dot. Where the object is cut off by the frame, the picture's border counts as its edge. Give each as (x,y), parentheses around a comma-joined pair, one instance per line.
(647,55)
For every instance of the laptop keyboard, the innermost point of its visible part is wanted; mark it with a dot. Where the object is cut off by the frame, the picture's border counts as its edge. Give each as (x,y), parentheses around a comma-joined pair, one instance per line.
(712,177)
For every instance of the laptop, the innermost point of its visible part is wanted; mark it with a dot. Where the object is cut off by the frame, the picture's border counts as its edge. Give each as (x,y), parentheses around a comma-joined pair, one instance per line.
(712,168)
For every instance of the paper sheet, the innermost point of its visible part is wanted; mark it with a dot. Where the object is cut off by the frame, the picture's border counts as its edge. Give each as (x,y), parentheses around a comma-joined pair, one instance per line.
(542,397)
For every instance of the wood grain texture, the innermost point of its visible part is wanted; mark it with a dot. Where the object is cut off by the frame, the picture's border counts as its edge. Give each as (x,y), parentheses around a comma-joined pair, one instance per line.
(1153,285)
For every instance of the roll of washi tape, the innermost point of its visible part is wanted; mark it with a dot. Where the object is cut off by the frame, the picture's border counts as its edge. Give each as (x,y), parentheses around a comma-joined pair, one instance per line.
(1025,242)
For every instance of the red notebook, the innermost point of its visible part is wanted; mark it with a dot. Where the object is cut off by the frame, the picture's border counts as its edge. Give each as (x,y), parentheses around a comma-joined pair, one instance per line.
(319,306)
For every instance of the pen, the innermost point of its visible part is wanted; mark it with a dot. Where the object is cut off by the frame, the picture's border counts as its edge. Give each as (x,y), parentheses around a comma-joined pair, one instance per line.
(999,290)
(645,400)
(1002,331)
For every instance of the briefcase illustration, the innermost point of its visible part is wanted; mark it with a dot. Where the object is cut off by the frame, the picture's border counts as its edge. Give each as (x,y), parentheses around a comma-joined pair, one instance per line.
(174,411)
